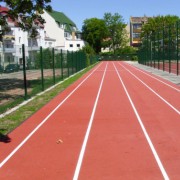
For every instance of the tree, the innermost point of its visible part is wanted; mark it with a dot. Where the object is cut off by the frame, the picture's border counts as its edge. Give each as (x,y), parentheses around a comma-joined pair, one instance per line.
(89,52)
(25,13)
(94,31)
(160,34)
(116,30)
(157,23)
(47,59)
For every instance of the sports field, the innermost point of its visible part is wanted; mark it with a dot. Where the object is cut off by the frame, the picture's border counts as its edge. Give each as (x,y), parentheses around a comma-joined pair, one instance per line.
(116,122)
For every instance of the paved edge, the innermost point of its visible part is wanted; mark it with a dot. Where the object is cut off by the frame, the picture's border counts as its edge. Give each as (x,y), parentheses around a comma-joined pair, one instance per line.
(163,74)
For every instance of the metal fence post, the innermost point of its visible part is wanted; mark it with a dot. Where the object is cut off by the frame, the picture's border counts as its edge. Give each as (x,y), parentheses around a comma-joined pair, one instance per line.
(150,44)
(41,63)
(72,62)
(154,48)
(76,61)
(158,50)
(169,46)
(54,80)
(177,46)
(24,71)
(163,49)
(68,61)
(62,75)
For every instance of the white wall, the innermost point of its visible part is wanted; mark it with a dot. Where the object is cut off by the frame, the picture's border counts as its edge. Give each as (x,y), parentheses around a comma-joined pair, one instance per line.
(49,44)
(53,30)
(74,45)
(41,39)
(20,38)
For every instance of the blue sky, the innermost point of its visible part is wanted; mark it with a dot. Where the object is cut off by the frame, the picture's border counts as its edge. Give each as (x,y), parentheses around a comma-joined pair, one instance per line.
(80,10)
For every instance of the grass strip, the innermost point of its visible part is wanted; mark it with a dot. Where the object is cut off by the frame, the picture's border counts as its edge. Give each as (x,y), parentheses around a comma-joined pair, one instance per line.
(13,120)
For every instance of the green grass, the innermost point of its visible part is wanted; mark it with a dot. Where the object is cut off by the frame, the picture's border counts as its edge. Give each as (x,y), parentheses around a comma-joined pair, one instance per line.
(11,121)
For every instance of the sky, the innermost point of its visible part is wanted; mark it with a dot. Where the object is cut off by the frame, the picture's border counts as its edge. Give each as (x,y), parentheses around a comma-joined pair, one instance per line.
(80,10)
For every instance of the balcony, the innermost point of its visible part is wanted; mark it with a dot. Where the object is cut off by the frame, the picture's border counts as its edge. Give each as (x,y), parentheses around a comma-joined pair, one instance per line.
(33,48)
(9,35)
(7,48)
(136,30)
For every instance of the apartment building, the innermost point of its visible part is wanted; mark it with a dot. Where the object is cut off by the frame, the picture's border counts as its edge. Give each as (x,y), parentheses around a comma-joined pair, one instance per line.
(135,30)
(58,32)
(58,26)
(11,43)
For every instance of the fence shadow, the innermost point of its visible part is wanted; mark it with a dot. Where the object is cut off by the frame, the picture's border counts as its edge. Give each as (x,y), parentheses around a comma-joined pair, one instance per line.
(4,138)
(9,84)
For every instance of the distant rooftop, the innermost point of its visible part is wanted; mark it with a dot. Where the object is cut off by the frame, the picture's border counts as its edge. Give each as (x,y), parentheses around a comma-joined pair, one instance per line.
(138,19)
(61,18)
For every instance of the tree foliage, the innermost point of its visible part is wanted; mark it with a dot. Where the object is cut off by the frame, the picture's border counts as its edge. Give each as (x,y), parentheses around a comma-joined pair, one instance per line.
(117,37)
(47,59)
(94,31)
(25,13)
(157,23)
(107,32)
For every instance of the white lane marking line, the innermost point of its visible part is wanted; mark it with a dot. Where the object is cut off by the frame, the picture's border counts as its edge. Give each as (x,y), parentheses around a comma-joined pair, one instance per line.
(154,77)
(83,148)
(144,129)
(170,105)
(44,120)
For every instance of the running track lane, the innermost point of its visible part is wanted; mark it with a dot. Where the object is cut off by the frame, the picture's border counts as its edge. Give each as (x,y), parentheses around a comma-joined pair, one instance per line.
(116,147)
(161,120)
(43,156)
(166,89)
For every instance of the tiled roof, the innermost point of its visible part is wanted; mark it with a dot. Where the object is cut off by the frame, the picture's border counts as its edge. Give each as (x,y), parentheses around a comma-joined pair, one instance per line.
(3,12)
(138,19)
(3,9)
(61,18)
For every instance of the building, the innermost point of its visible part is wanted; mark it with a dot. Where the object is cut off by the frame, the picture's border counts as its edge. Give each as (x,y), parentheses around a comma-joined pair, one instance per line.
(11,42)
(58,26)
(58,32)
(135,30)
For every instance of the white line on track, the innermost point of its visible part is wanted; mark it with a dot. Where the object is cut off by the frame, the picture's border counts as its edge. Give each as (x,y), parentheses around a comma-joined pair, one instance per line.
(81,155)
(44,120)
(170,105)
(143,129)
(155,78)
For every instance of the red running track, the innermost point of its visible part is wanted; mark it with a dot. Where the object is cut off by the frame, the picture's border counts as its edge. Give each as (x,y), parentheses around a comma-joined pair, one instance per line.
(116,122)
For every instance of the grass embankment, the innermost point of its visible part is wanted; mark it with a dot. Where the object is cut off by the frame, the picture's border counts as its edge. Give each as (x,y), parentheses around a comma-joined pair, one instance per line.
(11,121)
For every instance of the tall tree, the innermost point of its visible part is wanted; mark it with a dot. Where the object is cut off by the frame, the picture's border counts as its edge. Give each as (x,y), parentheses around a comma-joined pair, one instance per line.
(157,23)
(25,13)
(116,30)
(94,31)
(161,26)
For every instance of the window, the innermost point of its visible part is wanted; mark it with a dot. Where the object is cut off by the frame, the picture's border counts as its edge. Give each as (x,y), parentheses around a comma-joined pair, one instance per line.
(66,34)
(78,45)
(78,36)
(137,26)
(20,50)
(50,44)
(136,35)
(71,45)
(19,39)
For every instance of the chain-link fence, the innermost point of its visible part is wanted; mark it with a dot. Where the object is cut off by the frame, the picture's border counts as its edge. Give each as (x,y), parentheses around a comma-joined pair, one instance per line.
(120,57)
(32,70)
(161,49)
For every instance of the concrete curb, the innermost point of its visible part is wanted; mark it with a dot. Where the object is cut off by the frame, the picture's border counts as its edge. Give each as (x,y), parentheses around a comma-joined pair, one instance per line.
(163,74)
